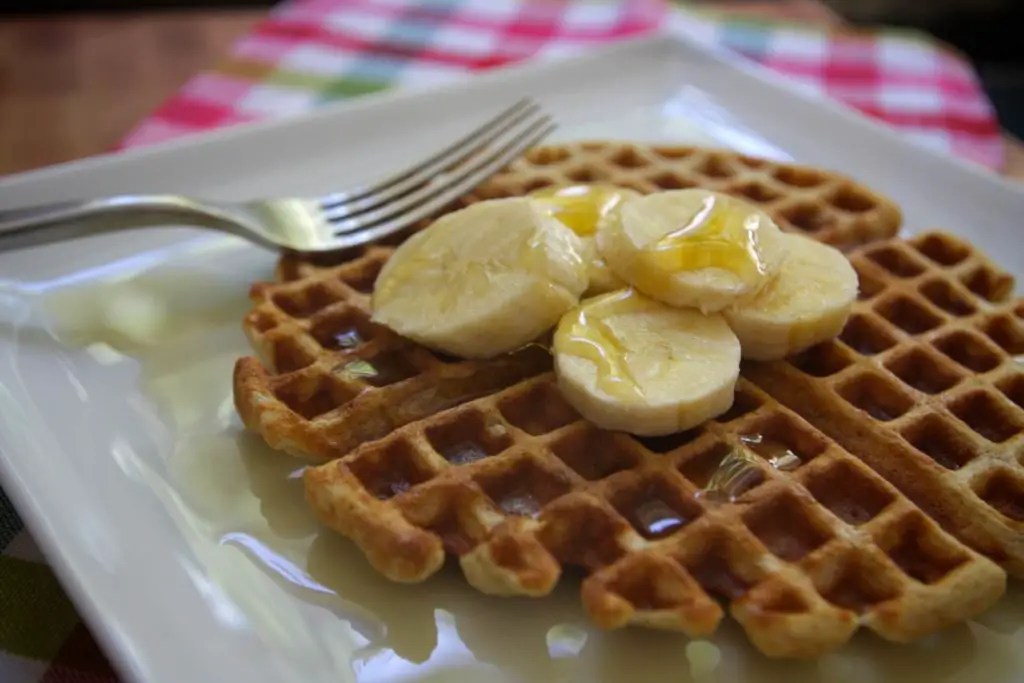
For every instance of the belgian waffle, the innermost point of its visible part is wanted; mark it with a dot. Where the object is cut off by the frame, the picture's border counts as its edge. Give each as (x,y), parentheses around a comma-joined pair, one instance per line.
(830,207)
(330,379)
(926,385)
(519,487)
(316,319)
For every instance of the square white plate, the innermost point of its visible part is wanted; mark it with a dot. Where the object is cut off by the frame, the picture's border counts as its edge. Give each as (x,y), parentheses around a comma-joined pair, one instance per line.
(186,542)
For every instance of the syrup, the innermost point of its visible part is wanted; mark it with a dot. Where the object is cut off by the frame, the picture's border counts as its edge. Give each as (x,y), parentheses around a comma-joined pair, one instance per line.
(464,453)
(581,207)
(722,234)
(270,568)
(657,519)
(587,334)
(347,339)
(779,455)
(737,473)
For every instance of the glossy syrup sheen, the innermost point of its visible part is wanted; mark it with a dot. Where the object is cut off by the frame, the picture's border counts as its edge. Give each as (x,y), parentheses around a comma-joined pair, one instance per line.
(309,592)
(586,333)
(580,207)
(721,234)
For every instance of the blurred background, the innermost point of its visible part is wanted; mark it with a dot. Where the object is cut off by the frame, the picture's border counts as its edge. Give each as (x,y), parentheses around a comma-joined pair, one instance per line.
(76,76)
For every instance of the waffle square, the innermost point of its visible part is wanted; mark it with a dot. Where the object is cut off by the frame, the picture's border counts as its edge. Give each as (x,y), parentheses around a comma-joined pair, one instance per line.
(518,487)
(926,385)
(300,399)
(427,457)
(829,206)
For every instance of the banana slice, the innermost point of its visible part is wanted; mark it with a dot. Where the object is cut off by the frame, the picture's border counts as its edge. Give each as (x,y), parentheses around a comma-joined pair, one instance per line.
(600,277)
(692,248)
(581,208)
(808,302)
(482,281)
(627,362)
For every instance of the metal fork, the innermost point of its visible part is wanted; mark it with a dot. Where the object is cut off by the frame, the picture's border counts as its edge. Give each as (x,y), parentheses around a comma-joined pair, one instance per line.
(335,222)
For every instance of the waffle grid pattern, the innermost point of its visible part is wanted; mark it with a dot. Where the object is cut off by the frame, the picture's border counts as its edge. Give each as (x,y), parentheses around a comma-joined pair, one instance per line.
(519,487)
(826,205)
(427,456)
(299,401)
(329,379)
(926,384)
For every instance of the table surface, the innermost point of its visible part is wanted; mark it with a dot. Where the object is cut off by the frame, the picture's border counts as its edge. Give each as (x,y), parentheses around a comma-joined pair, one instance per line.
(68,92)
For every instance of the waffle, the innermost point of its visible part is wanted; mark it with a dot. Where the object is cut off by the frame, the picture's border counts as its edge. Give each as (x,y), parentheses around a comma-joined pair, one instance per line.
(926,386)
(519,487)
(826,205)
(298,401)
(330,379)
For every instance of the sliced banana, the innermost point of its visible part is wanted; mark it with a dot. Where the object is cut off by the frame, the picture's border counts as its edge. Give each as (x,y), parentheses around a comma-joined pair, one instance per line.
(600,277)
(627,362)
(581,208)
(482,281)
(692,248)
(808,302)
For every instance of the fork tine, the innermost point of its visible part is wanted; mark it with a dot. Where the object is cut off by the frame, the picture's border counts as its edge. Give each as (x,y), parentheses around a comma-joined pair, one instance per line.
(467,179)
(440,157)
(443,161)
(437,182)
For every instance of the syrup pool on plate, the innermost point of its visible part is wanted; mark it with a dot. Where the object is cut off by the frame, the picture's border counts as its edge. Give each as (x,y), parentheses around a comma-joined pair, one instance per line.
(308,592)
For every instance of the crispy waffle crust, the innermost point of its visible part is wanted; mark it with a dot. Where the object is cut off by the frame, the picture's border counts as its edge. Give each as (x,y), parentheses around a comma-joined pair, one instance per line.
(330,379)
(926,385)
(315,320)
(826,205)
(427,456)
(519,487)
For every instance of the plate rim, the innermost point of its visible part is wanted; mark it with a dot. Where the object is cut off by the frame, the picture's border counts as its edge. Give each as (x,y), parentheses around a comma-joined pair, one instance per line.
(94,605)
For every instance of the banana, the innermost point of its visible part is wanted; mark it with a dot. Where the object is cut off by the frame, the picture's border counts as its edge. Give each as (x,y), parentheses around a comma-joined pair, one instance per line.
(807,302)
(627,362)
(600,277)
(692,248)
(482,281)
(581,208)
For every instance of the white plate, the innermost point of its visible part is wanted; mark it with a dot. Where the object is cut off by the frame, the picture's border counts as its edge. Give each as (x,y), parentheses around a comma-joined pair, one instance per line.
(186,543)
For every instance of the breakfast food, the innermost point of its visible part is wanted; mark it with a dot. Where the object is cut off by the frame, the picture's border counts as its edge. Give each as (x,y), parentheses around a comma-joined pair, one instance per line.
(788,497)
(482,281)
(518,487)
(692,248)
(627,362)
(582,208)
(806,303)
(328,379)
(926,385)
(295,361)
(825,205)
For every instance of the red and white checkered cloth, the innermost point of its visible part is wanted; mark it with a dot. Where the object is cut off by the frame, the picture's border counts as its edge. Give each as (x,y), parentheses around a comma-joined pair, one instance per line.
(313,51)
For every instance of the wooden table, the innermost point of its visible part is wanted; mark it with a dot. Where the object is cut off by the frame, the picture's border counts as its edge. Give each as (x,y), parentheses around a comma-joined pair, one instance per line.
(73,86)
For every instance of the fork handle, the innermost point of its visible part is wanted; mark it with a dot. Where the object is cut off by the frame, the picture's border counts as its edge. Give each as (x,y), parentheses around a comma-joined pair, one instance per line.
(48,223)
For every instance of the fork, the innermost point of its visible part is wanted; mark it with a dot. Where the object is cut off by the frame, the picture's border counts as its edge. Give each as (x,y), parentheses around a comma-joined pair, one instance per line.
(334,222)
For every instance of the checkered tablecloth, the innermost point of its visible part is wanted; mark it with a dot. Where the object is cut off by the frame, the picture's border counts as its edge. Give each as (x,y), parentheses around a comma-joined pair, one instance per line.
(313,51)
(309,52)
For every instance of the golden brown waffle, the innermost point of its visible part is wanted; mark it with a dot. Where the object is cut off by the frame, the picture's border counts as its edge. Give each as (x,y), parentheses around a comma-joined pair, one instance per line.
(824,204)
(926,385)
(300,403)
(327,379)
(519,488)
